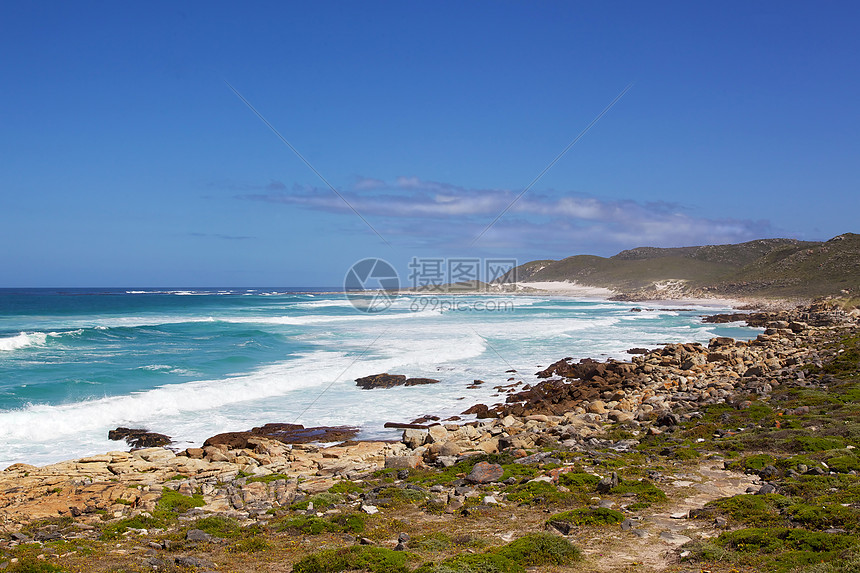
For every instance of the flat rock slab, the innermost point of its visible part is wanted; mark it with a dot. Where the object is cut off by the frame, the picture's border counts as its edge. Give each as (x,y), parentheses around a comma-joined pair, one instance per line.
(674,538)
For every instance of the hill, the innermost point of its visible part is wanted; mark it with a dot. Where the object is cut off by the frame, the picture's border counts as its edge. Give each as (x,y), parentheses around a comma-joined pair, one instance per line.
(765,268)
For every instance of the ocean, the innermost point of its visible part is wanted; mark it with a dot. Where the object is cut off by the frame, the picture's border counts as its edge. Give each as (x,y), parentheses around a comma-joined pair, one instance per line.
(191,363)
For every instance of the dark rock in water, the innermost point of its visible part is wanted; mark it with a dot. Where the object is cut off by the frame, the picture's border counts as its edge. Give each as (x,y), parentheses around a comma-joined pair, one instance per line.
(480,410)
(139,438)
(637,351)
(420,381)
(485,472)
(298,434)
(381,381)
(286,433)
(402,426)
(386,380)
(755,319)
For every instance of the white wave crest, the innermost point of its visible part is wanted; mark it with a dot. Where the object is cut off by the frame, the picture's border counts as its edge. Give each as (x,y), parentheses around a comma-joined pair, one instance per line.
(23,340)
(319,319)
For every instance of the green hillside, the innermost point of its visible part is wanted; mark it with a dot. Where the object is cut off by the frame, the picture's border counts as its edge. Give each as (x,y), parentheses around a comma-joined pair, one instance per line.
(770,268)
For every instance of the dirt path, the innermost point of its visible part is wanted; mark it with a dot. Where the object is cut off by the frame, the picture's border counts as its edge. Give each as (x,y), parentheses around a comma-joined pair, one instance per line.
(651,543)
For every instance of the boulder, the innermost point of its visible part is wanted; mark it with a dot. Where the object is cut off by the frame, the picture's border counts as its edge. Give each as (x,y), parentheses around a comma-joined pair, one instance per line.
(485,472)
(437,434)
(414,438)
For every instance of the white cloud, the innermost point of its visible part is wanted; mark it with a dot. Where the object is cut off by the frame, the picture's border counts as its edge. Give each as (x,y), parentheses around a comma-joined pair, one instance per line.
(427,212)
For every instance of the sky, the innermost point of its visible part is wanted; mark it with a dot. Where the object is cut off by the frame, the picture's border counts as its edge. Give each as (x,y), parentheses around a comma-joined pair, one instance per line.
(130,154)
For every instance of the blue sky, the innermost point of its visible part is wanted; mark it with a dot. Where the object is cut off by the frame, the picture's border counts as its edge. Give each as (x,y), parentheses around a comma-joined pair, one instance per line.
(125,159)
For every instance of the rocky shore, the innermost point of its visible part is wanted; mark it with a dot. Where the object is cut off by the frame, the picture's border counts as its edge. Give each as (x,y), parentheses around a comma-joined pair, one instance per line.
(246,476)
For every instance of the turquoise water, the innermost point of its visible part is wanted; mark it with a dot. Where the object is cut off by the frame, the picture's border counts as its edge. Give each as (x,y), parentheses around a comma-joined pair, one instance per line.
(192,363)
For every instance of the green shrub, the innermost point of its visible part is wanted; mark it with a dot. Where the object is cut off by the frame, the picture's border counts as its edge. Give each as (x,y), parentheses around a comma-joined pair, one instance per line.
(115,530)
(312,525)
(844,464)
(541,549)
(686,453)
(645,491)
(357,557)
(345,486)
(391,496)
(218,526)
(579,480)
(599,516)
(774,539)
(824,516)
(752,510)
(815,444)
(174,502)
(519,471)
(30,565)
(170,506)
(535,492)
(755,463)
(349,522)
(436,541)
(250,545)
(268,478)
(320,501)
